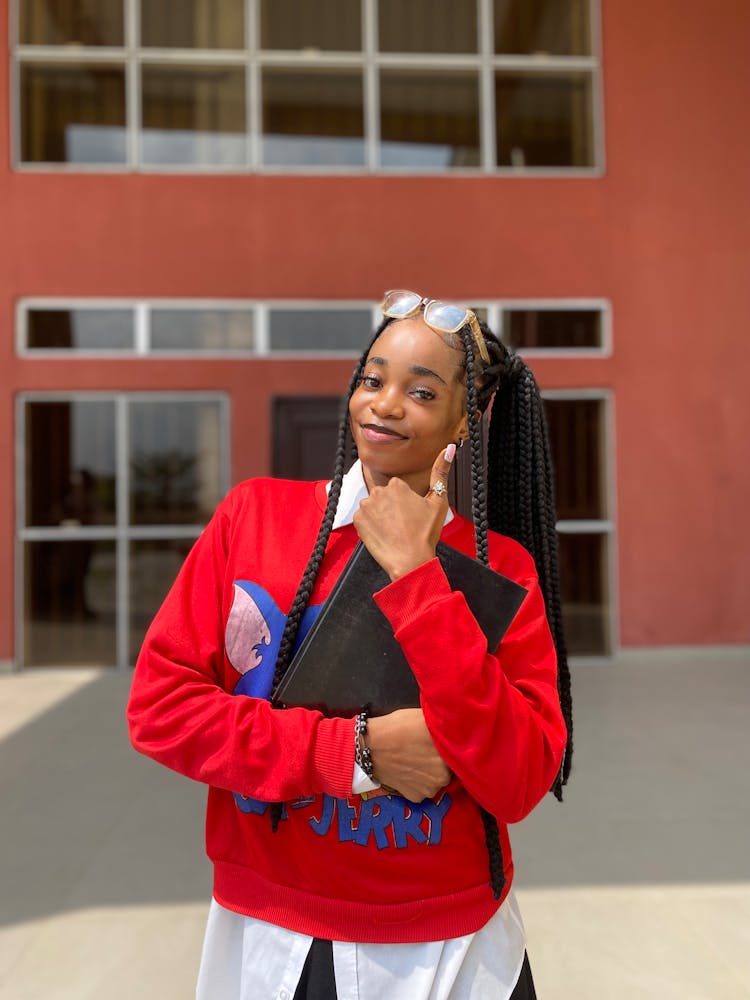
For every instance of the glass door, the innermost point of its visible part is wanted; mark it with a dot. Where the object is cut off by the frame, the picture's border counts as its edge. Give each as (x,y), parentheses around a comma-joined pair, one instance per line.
(114,490)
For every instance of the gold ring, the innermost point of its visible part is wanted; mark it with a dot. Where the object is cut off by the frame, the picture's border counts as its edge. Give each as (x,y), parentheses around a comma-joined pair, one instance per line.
(438,488)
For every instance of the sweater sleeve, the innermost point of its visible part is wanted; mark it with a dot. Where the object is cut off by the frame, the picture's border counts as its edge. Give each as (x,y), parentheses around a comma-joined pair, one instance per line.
(180,715)
(495,719)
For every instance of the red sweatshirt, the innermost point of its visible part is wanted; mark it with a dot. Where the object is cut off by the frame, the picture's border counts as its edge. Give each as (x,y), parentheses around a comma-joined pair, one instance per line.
(343,866)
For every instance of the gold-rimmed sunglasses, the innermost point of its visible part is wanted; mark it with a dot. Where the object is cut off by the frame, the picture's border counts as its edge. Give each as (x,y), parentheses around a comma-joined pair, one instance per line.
(443,317)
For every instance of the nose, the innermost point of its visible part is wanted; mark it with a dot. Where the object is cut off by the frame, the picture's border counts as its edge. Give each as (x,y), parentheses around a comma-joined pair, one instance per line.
(388,403)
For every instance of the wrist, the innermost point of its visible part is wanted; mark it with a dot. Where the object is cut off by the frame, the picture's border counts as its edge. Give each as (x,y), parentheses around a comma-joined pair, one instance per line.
(408,563)
(362,756)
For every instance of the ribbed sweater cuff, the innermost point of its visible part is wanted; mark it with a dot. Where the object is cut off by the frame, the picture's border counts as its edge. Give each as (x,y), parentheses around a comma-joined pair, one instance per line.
(333,756)
(408,597)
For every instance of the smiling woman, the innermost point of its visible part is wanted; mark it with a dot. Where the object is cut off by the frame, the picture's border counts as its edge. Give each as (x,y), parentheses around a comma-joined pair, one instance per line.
(334,838)
(402,413)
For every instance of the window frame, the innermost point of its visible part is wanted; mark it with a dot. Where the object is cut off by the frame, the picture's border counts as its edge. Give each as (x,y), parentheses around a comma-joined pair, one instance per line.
(606,526)
(602,306)
(261,326)
(369,59)
(122,532)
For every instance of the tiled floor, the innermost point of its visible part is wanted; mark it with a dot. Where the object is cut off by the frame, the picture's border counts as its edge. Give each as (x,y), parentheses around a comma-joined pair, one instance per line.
(638,886)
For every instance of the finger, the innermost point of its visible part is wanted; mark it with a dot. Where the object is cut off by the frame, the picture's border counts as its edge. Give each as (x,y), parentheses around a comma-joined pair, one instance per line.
(441,470)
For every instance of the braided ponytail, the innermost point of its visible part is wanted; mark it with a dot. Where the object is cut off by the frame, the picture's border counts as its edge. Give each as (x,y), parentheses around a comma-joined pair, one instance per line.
(521,503)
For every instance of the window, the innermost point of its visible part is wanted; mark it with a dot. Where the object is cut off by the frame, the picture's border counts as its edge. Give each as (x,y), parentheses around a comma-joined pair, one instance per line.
(543,119)
(432,85)
(312,117)
(345,330)
(85,329)
(73,113)
(192,114)
(429,118)
(579,438)
(184,330)
(62,328)
(249,329)
(114,491)
(578,327)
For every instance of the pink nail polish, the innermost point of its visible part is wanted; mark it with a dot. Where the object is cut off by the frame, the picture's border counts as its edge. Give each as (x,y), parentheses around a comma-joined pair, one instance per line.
(450,452)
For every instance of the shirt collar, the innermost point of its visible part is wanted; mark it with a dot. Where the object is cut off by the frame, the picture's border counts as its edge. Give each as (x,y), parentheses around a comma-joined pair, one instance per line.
(353,490)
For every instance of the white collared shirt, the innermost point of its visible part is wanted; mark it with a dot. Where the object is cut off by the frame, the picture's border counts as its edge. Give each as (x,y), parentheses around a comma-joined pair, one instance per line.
(248,959)
(354,489)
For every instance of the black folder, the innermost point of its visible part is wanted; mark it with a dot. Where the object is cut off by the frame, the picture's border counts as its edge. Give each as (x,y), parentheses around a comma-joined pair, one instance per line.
(350,660)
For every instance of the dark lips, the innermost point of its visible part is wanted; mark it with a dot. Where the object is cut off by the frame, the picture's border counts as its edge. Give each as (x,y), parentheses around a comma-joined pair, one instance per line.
(383,430)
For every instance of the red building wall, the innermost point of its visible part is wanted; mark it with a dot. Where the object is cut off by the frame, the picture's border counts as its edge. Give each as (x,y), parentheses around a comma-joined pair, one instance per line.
(663,235)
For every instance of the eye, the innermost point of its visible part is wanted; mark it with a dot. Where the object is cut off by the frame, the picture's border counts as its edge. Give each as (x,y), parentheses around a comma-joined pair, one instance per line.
(421,392)
(370,381)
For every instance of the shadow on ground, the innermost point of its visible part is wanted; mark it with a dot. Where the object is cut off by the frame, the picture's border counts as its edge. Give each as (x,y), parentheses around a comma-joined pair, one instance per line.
(658,795)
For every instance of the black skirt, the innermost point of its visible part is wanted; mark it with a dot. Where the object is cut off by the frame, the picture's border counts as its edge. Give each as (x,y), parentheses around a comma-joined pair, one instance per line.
(318,981)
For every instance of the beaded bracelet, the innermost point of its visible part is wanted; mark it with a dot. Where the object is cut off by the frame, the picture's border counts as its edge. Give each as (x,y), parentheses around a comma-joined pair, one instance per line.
(361,750)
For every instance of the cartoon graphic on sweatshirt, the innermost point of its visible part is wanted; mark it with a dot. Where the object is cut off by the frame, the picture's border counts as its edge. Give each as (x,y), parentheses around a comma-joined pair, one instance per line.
(253,636)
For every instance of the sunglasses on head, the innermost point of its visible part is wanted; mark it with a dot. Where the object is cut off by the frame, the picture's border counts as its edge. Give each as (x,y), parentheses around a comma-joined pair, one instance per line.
(443,317)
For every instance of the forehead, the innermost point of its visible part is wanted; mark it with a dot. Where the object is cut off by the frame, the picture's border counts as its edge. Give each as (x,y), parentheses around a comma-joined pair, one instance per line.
(412,342)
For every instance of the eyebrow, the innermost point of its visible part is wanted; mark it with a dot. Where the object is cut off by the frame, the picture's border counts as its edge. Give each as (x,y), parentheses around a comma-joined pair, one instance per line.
(413,369)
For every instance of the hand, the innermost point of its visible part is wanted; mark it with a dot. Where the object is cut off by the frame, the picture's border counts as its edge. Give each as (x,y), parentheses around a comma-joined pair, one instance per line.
(403,755)
(399,527)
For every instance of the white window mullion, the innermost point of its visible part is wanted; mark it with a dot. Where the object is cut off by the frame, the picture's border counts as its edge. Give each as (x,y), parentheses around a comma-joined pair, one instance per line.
(610,486)
(142,326)
(21,503)
(494,320)
(132,85)
(122,550)
(16,152)
(252,124)
(597,87)
(262,331)
(486,87)
(371,84)
(545,64)
(60,54)
(254,86)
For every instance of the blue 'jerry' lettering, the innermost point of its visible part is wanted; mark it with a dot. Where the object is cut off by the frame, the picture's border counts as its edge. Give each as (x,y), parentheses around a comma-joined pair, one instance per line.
(435,811)
(347,817)
(406,819)
(375,819)
(421,823)
(323,825)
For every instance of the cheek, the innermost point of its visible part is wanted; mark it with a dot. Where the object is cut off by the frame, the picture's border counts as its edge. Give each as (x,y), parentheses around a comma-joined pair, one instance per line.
(355,403)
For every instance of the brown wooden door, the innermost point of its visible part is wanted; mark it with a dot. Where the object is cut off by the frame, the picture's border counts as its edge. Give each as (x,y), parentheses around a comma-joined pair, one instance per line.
(304,432)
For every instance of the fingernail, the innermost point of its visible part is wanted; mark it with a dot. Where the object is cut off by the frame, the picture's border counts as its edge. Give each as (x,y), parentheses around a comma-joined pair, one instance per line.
(450,452)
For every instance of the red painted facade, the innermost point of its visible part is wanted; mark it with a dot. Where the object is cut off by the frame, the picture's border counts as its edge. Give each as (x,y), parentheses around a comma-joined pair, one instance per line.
(662,234)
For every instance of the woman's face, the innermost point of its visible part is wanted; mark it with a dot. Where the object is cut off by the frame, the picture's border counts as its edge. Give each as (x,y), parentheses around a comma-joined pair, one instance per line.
(410,404)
